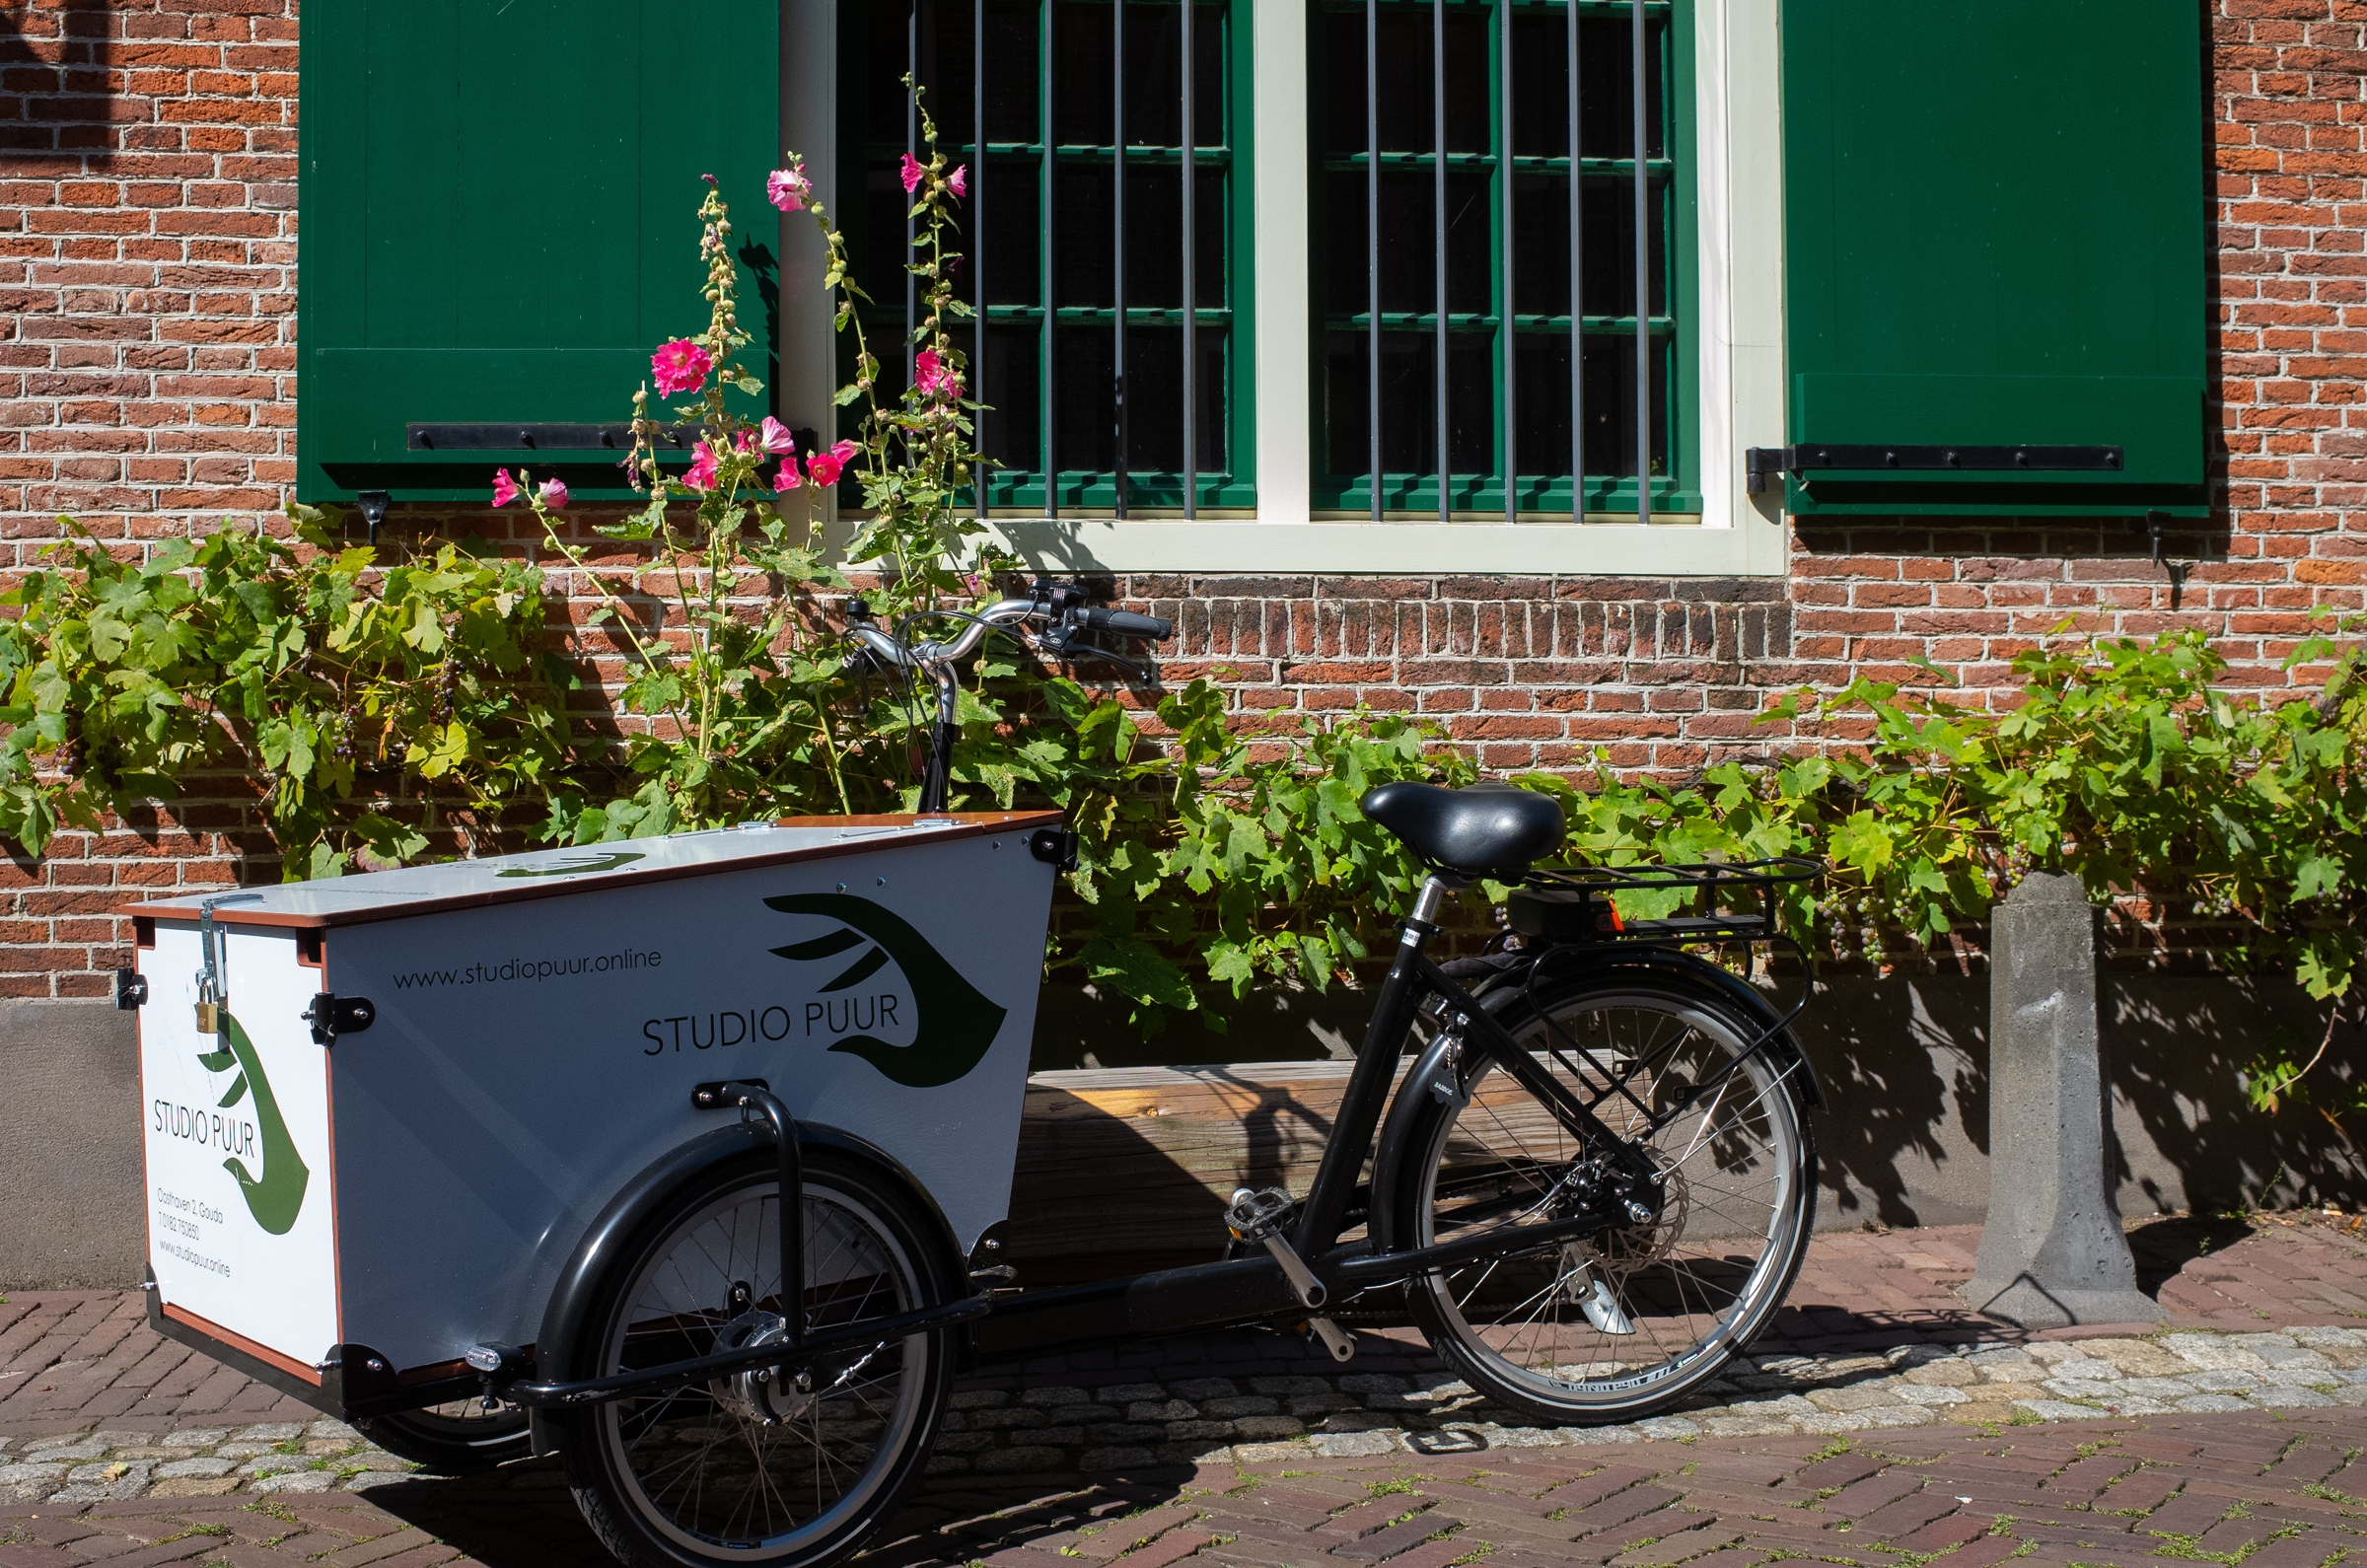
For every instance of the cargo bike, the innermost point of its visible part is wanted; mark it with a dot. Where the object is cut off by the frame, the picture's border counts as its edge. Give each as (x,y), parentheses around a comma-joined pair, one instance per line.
(519,1153)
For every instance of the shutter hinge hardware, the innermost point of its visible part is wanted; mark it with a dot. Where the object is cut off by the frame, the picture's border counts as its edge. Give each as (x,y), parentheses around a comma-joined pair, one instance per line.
(2157,527)
(374,504)
(131,990)
(1760,464)
(331,1015)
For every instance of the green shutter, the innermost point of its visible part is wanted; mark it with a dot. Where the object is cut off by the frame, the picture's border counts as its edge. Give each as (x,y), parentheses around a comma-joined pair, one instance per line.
(1996,228)
(498,206)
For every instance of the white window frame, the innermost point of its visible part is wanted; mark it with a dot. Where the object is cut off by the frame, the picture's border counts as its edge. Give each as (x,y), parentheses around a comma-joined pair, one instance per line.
(1740,335)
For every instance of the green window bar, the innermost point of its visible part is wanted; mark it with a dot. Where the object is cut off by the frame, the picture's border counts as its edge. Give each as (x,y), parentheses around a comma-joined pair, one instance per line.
(1477,371)
(1107,264)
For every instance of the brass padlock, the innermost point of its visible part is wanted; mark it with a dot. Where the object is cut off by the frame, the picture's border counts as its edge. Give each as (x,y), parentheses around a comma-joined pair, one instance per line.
(210,1018)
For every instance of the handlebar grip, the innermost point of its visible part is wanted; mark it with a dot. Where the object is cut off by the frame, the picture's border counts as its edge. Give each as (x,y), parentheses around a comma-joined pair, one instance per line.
(1128,624)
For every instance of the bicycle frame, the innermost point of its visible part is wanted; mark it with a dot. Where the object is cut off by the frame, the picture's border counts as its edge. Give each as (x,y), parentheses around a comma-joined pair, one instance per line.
(1253,1289)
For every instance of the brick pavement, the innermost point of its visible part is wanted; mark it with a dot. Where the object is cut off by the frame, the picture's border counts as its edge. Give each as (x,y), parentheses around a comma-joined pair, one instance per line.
(2231,1443)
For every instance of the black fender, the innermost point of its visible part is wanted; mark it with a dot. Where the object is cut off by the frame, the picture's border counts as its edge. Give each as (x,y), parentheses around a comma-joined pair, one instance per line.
(1504,990)
(1682,970)
(578,1284)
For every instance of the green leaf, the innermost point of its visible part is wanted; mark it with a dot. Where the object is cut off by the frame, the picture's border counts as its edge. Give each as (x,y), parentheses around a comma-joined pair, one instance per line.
(1138,971)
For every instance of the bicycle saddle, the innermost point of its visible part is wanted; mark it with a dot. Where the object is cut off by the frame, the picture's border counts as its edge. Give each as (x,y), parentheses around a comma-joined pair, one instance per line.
(1488,829)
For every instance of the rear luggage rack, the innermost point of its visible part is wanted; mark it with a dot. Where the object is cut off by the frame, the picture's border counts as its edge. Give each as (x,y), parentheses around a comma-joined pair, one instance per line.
(1575,903)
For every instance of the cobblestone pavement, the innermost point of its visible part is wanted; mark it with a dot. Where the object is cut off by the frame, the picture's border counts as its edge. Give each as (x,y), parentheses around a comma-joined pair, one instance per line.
(1246,1447)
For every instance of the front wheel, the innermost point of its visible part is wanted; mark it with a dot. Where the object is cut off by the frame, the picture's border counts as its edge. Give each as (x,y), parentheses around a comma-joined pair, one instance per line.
(457,1438)
(758,1469)
(1631,1321)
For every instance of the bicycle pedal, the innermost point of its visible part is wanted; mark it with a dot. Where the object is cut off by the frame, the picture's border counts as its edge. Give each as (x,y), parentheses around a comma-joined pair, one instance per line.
(1252,1214)
(1341,1348)
(1257,1217)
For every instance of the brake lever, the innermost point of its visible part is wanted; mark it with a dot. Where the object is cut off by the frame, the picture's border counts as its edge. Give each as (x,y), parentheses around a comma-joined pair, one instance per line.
(1065,646)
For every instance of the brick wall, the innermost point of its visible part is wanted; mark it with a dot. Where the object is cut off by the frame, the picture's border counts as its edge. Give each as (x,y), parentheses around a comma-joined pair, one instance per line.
(147,357)
(147,296)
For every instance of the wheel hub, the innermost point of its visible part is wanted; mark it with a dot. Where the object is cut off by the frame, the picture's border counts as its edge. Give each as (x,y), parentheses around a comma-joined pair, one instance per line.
(765,1395)
(1631,1248)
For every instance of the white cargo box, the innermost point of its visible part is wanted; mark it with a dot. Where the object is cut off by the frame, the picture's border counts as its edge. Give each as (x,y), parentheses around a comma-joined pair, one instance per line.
(413,1190)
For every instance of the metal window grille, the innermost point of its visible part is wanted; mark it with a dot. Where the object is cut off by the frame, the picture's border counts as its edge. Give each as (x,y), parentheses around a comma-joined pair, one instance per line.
(1088,228)
(1527,155)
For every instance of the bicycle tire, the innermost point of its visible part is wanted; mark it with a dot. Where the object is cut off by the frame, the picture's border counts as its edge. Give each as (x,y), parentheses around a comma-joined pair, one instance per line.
(459,1438)
(1515,1325)
(741,1470)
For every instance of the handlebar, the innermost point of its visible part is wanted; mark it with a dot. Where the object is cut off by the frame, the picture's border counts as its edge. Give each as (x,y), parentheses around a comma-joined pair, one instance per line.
(1057,604)
(1128,624)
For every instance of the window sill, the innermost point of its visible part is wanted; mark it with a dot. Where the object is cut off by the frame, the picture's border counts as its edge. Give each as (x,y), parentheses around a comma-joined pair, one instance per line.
(1755,548)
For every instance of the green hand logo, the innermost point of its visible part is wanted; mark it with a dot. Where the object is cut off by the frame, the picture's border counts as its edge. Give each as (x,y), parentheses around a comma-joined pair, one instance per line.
(957,1023)
(277,1197)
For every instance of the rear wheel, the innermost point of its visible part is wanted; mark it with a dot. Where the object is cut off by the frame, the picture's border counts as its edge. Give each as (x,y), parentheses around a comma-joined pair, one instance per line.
(1631,1321)
(756,1467)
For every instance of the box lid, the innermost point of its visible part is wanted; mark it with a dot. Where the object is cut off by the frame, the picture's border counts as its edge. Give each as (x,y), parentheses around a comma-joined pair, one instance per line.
(552,872)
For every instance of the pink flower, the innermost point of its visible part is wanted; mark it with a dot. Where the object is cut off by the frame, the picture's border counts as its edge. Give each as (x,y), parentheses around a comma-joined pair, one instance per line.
(776,437)
(824,467)
(703,468)
(931,378)
(912,175)
(746,442)
(787,478)
(554,494)
(504,491)
(958,180)
(681,366)
(789,188)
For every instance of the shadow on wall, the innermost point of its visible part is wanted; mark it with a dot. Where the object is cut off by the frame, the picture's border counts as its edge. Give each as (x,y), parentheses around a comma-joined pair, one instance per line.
(1996,550)
(1903,1061)
(72,42)
(1906,1066)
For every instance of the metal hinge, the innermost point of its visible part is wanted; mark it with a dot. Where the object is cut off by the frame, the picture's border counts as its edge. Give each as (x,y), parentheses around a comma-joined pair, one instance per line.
(331,1015)
(1055,846)
(1763,463)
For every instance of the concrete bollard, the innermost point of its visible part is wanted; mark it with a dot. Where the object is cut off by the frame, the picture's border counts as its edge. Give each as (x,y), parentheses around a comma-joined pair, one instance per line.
(2052,1253)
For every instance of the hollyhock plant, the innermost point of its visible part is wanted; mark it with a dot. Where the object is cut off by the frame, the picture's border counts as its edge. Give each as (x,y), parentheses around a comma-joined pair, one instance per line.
(749,710)
(554,494)
(931,378)
(680,366)
(788,188)
(504,489)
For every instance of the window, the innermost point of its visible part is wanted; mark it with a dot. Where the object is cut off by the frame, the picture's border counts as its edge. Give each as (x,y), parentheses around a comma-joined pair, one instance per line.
(1449,242)
(1078,204)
